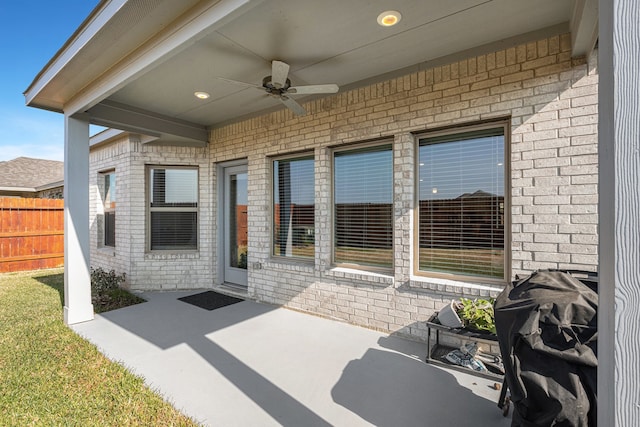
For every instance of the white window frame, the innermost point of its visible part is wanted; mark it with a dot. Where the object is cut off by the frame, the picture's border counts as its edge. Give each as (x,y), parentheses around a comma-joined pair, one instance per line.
(149,209)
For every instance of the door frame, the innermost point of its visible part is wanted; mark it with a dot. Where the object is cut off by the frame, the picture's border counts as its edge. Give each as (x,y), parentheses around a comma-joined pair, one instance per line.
(221,255)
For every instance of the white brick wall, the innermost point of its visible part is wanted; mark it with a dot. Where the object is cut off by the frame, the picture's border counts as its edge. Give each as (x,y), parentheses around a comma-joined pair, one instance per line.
(149,270)
(551,102)
(112,157)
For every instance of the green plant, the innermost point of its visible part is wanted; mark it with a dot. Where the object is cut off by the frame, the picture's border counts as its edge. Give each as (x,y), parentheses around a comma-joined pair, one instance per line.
(242,262)
(478,314)
(106,293)
(102,281)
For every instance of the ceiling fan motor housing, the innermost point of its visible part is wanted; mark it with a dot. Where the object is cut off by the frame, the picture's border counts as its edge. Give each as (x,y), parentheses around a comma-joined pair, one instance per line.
(278,86)
(272,90)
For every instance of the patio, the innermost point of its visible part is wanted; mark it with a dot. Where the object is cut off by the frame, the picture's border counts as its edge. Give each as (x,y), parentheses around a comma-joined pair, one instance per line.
(256,364)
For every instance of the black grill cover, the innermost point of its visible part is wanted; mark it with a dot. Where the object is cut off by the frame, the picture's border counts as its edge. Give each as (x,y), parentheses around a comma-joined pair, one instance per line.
(547,331)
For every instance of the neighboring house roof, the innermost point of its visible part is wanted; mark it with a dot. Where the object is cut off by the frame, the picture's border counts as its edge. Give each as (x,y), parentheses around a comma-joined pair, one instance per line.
(28,174)
(478,194)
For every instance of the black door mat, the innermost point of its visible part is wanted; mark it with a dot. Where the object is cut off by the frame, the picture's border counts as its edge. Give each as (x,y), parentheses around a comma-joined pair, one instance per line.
(210,300)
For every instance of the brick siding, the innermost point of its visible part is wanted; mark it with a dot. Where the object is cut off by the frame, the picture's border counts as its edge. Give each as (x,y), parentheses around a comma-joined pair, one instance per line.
(550,101)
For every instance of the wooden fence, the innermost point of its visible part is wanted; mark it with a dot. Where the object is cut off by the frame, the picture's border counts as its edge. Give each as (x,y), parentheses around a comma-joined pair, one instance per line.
(31,234)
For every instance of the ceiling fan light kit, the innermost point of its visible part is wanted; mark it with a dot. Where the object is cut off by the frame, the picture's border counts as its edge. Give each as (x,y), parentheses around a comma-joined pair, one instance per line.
(279,86)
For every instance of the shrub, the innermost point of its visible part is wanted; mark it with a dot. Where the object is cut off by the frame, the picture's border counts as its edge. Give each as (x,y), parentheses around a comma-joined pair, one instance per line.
(106,293)
(102,282)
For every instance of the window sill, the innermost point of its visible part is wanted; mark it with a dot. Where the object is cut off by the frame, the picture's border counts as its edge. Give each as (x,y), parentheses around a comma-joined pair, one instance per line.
(360,275)
(107,250)
(172,255)
(455,287)
(290,264)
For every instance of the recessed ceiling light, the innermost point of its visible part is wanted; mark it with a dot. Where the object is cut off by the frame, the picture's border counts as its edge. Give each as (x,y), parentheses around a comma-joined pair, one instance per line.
(201,95)
(434,190)
(389,18)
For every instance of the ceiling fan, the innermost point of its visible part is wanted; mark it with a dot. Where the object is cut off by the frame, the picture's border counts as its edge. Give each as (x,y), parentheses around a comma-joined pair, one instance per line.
(279,86)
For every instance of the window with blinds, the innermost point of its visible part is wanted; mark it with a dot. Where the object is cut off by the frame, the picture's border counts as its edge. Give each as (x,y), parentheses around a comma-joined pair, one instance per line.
(363,206)
(173,208)
(109,202)
(461,212)
(294,207)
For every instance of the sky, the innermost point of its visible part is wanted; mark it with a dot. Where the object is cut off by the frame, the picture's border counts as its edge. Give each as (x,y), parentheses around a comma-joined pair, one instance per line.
(31,32)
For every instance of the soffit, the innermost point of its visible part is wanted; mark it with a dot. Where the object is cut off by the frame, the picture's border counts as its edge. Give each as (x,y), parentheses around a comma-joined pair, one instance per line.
(132,23)
(332,41)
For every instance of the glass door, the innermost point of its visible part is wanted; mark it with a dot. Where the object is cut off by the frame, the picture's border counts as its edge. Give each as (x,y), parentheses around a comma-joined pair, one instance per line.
(235,225)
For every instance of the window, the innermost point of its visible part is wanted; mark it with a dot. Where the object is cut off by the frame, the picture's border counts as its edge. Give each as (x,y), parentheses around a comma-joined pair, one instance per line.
(294,208)
(461,212)
(109,203)
(173,208)
(363,206)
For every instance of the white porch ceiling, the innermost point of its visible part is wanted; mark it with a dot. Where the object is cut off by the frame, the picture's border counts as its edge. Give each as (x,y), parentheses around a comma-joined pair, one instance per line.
(329,41)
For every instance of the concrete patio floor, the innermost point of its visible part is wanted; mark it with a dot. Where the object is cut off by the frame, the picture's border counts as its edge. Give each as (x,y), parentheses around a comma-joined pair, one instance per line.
(253,364)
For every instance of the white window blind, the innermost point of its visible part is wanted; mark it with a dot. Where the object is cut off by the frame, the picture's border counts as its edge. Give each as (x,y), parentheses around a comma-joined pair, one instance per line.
(461,203)
(173,208)
(181,186)
(363,206)
(294,208)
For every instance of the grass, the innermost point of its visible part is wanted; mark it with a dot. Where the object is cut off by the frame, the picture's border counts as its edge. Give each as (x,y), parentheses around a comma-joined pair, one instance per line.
(476,262)
(376,257)
(51,376)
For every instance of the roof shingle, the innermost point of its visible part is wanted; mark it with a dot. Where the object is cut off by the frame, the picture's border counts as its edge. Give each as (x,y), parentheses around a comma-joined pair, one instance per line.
(26,172)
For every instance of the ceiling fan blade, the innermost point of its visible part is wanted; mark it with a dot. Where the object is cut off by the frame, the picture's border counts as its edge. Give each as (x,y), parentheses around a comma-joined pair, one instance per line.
(279,73)
(297,109)
(243,84)
(311,89)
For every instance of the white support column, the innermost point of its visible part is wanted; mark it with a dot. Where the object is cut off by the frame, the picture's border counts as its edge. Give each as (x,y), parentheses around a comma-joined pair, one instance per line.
(77,280)
(619,213)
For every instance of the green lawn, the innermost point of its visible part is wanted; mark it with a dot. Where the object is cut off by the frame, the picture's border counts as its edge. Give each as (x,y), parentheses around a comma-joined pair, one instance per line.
(51,376)
(475,262)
